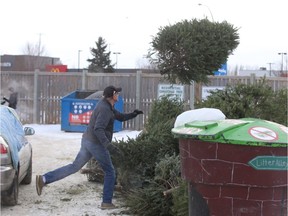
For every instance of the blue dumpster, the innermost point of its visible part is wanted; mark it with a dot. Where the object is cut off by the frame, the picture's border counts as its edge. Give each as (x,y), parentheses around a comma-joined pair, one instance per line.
(77,107)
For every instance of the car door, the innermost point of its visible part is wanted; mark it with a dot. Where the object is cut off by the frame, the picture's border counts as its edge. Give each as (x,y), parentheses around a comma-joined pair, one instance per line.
(23,146)
(24,157)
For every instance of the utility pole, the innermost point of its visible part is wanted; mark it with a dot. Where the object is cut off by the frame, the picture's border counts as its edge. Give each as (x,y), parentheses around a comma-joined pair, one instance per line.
(270,63)
(79,60)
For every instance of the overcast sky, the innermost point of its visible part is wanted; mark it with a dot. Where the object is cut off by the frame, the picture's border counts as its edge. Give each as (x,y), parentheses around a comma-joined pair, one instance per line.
(64,27)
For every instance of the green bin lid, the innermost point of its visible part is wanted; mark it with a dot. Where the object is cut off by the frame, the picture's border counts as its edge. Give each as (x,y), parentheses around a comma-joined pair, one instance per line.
(245,131)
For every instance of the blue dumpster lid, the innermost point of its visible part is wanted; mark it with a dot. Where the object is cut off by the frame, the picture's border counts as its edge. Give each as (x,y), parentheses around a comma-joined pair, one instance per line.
(245,131)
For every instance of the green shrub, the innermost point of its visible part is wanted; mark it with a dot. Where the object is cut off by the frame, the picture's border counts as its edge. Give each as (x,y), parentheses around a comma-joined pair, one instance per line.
(249,101)
(149,201)
(180,200)
(156,141)
(160,194)
(150,164)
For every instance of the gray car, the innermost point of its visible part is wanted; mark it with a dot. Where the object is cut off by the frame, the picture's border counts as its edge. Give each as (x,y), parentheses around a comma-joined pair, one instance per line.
(15,154)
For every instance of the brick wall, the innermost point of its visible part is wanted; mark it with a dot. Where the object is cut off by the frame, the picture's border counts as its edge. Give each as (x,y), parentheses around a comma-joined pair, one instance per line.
(221,174)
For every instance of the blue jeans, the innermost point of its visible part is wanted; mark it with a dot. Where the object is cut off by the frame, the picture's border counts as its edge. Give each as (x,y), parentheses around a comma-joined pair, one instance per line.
(87,151)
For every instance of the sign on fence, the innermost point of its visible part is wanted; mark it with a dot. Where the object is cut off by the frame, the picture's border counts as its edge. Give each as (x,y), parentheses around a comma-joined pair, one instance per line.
(206,91)
(171,91)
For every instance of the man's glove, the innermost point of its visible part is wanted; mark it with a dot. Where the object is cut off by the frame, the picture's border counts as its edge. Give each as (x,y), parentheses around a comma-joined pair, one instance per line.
(114,149)
(137,112)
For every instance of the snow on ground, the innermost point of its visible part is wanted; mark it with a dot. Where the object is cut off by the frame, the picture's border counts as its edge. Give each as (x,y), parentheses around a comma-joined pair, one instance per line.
(56,130)
(72,196)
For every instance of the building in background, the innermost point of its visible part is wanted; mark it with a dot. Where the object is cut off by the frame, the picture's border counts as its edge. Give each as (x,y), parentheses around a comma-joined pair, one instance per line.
(261,73)
(27,62)
(56,68)
(52,64)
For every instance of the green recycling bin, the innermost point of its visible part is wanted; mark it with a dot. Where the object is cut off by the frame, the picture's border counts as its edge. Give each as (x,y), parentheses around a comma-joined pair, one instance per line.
(235,166)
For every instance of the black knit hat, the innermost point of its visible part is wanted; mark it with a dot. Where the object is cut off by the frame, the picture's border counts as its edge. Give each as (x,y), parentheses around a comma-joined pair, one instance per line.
(109,91)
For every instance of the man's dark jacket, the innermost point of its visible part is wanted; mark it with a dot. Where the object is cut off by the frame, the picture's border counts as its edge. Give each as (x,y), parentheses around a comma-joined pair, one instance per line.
(100,127)
(12,101)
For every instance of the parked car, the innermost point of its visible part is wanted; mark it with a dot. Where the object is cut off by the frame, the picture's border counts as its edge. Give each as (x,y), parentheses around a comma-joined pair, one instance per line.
(15,155)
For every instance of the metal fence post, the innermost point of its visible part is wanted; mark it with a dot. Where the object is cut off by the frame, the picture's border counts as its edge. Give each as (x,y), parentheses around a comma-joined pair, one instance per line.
(138,97)
(35,97)
(84,72)
(253,78)
(192,94)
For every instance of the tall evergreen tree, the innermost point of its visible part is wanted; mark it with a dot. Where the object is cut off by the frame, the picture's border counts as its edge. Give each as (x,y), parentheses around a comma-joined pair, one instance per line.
(101,58)
(192,50)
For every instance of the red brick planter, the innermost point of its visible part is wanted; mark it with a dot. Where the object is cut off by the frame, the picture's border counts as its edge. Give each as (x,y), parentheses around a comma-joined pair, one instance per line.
(221,173)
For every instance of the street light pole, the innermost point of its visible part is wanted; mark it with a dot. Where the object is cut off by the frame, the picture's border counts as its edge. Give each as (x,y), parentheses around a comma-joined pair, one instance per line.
(79,60)
(116,53)
(208,9)
(282,60)
(39,45)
